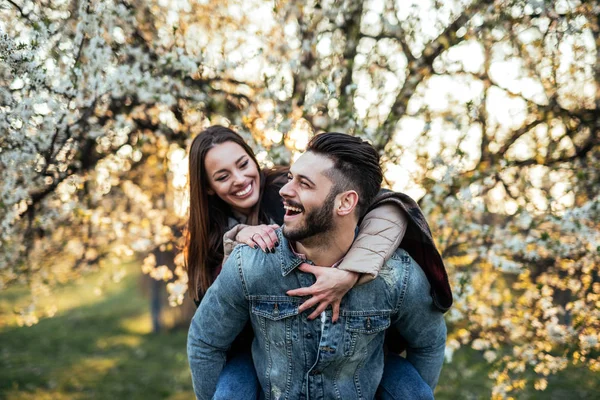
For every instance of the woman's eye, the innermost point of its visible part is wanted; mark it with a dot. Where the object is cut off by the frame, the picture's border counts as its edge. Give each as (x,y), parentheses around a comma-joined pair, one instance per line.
(244,164)
(221,178)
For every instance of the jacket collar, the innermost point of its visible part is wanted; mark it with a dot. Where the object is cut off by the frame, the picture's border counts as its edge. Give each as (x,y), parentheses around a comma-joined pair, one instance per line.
(289,261)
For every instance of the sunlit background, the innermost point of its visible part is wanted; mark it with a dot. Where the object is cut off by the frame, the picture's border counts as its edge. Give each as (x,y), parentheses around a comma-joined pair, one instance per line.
(486,112)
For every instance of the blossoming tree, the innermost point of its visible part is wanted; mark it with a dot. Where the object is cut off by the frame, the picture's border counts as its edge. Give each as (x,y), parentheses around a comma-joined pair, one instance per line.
(488,112)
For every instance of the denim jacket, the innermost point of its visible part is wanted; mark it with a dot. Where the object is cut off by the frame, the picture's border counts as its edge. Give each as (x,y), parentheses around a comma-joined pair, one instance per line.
(296,358)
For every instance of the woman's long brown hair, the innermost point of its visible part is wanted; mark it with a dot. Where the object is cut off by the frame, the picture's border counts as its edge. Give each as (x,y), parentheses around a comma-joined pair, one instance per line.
(208,218)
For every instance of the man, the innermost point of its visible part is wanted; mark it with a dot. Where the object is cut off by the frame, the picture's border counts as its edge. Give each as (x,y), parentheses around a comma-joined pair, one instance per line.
(329,188)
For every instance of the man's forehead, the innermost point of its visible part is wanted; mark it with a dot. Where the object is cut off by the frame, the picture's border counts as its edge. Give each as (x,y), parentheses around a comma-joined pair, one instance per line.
(311,165)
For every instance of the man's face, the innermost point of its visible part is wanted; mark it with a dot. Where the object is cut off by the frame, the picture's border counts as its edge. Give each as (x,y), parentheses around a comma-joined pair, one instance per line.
(308,198)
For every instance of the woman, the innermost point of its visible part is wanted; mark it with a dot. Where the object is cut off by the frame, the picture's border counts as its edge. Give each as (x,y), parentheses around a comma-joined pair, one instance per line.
(232,201)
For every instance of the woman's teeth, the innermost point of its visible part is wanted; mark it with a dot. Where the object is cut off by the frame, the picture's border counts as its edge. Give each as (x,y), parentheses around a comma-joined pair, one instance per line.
(245,191)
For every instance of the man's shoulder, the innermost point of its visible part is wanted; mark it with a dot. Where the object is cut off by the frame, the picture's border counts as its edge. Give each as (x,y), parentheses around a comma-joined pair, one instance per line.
(412,279)
(400,262)
(402,256)
(402,271)
(243,254)
(251,262)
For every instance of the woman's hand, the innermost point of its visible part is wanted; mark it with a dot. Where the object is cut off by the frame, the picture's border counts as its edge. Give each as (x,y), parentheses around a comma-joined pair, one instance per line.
(331,285)
(262,236)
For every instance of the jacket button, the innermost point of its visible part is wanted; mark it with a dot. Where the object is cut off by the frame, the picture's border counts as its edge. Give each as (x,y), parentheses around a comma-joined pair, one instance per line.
(309,335)
(368,323)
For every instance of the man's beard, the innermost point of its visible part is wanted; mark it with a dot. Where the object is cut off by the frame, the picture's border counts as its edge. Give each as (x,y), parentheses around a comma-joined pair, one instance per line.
(315,222)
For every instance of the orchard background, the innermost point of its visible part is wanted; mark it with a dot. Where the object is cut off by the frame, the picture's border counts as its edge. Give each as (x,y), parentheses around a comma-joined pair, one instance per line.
(486,112)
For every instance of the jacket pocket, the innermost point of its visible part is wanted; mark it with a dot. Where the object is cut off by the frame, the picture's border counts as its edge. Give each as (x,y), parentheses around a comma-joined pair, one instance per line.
(274,310)
(361,330)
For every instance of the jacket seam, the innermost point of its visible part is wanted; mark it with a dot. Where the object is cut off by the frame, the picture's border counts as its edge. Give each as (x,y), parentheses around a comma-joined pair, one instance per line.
(241,273)
(367,249)
(404,286)
(373,219)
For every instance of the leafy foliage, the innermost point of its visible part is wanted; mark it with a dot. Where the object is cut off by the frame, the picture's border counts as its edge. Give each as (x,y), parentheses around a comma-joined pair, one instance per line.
(487,111)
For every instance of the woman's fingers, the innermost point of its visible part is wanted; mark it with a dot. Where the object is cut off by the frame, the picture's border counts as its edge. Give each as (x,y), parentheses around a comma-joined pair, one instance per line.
(310,303)
(321,301)
(330,286)
(322,305)
(258,239)
(310,269)
(262,236)
(270,237)
(303,291)
(246,240)
(336,311)
(318,311)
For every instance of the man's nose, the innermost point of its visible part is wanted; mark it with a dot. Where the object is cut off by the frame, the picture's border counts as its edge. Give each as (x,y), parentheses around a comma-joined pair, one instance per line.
(286,190)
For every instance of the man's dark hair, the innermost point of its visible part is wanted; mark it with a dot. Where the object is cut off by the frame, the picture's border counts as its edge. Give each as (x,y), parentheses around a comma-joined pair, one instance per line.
(356,165)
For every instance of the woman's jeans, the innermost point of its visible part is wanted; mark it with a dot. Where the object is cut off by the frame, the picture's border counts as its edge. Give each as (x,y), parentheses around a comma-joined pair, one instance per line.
(238,379)
(400,380)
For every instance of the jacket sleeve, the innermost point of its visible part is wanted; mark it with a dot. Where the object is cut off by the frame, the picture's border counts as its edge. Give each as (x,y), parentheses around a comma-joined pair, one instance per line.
(380,234)
(229,241)
(221,316)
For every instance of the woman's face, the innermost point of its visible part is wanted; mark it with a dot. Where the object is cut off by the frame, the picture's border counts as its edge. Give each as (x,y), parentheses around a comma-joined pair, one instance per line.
(233,176)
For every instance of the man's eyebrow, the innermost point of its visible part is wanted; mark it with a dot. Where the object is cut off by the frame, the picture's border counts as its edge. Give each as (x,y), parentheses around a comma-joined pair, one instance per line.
(306,178)
(225,169)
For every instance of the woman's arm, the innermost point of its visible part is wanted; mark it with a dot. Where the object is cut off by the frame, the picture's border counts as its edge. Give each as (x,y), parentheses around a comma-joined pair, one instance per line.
(229,241)
(379,235)
(262,236)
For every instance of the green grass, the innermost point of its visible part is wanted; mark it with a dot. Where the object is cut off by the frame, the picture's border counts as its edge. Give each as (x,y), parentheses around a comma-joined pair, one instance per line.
(96,347)
(101,347)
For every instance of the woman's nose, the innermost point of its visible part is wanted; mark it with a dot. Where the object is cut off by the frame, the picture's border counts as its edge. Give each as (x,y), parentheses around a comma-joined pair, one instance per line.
(238,177)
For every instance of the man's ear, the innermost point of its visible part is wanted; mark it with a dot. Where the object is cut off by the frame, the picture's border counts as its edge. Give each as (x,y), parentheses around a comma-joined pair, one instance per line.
(348,201)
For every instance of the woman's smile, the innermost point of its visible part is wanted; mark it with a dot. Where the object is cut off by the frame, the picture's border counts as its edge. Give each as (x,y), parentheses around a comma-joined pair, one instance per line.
(247,191)
(233,176)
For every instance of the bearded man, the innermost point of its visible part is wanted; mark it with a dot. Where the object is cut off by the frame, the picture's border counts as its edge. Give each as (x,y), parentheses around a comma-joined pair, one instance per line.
(330,187)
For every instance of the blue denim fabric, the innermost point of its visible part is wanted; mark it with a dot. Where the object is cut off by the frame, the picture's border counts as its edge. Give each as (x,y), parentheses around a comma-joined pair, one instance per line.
(401,381)
(238,379)
(296,358)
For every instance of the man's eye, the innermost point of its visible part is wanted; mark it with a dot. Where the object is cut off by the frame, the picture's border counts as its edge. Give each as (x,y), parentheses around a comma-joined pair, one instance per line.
(289,177)
(304,183)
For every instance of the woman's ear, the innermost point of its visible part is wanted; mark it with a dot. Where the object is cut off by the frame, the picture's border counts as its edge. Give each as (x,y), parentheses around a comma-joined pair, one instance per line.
(347,202)
(210,191)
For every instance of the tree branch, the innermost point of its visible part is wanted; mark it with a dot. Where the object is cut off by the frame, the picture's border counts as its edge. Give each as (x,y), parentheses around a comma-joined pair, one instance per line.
(351,30)
(15,5)
(516,135)
(421,68)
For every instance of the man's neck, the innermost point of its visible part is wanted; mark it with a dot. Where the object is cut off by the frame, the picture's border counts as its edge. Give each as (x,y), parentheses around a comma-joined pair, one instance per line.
(327,248)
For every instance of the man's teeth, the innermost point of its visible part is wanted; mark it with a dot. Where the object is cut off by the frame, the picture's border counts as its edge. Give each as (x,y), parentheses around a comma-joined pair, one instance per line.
(245,191)
(293,209)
